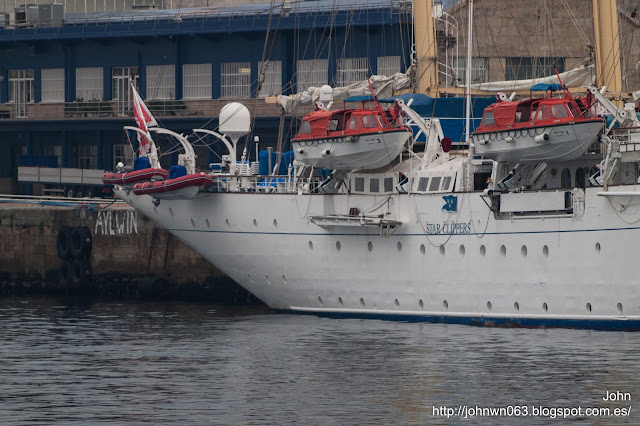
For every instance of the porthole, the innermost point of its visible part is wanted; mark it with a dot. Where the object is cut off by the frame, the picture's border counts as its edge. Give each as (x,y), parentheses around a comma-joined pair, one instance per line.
(399,246)
(362,302)
(423,250)
(226,221)
(268,279)
(340,301)
(320,301)
(588,307)
(171,211)
(421,304)
(338,245)
(545,307)
(545,251)
(523,251)
(275,224)
(370,246)
(489,306)
(445,304)
(250,279)
(516,306)
(619,306)
(397,303)
(597,247)
(503,251)
(442,250)
(461,250)
(208,224)
(255,223)
(310,245)
(193,223)
(284,280)
(483,250)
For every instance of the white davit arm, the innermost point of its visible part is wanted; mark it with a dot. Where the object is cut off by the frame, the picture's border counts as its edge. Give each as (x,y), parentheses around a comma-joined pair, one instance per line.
(432,132)
(622,116)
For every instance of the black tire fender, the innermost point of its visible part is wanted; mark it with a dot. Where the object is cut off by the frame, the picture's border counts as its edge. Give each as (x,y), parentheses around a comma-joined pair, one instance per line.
(63,242)
(80,242)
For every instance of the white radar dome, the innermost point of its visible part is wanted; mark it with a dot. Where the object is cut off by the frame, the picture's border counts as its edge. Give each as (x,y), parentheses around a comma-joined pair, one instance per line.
(235,120)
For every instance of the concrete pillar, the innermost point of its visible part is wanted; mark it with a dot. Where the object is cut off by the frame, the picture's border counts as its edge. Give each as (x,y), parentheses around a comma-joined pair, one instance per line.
(65,148)
(99,149)
(28,147)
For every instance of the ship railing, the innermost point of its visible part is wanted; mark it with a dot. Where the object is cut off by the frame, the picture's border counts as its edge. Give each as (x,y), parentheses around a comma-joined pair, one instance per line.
(264,184)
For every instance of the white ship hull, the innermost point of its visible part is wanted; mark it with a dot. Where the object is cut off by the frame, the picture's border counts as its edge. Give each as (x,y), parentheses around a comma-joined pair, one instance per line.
(568,270)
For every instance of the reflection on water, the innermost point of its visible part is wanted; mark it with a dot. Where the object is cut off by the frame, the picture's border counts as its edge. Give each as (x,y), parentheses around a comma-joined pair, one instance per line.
(176,362)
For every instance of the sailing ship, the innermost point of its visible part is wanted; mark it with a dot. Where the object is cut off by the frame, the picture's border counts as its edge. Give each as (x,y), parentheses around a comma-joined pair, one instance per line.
(495,237)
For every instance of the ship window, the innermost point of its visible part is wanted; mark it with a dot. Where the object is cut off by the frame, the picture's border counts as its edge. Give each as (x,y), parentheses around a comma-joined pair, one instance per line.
(359,184)
(388,184)
(487,119)
(355,123)
(580,178)
(446,182)
(305,127)
(544,113)
(435,184)
(422,184)
(559,111)
(369,121)
(374,185)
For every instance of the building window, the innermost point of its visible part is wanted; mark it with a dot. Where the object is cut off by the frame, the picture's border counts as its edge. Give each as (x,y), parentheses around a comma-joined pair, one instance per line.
(196,81)
(388,65)
(122,95)
(272,83)
(21,90)
(87,156)
(352,70)
(235,80)
(122,153)
(52,85)
(478,71)
(527,68)
(312,73)
(89,84)
(161,82)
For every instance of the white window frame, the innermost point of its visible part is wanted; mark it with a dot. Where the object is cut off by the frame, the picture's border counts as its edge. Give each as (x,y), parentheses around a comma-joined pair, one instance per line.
(196,81)
(21,91)
(52,84)
(479,72)
(312,73)
(90,84)
(87,156)
(388,65)
(161,82)
(272,84)
(235,80)
(352,70)
(122,153)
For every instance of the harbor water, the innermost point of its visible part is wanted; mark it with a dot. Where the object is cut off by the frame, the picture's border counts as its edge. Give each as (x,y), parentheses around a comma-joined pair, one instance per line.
(82,362)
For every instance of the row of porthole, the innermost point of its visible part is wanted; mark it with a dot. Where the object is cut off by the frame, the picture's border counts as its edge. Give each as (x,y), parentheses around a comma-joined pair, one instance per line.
(445,305)
(524,251)
(226,221)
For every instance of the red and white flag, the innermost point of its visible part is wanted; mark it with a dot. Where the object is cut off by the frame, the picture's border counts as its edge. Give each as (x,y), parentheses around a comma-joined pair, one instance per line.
(144,120)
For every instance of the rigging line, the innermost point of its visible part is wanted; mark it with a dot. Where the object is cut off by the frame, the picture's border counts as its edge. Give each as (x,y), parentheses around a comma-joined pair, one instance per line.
(576,24)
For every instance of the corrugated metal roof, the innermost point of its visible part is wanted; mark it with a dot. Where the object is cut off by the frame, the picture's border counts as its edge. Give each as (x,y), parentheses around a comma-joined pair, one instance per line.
(300,7)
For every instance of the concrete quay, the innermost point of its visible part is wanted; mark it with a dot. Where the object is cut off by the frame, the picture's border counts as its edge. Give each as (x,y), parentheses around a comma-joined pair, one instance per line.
(128,255)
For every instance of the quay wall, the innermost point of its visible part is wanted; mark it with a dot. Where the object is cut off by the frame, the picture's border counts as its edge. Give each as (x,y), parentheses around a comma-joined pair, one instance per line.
(130,256)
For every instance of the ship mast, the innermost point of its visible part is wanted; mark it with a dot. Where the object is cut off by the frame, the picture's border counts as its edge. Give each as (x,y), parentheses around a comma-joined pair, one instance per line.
(607,45)
(426,49)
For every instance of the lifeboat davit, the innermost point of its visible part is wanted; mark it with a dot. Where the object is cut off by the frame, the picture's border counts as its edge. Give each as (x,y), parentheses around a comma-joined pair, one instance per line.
(183,187)
(135,176)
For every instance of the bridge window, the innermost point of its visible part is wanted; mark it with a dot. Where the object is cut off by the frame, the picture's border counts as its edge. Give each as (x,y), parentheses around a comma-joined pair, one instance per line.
(374,185)
(388,184)
(435,183)
(359,184)
(423,183)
